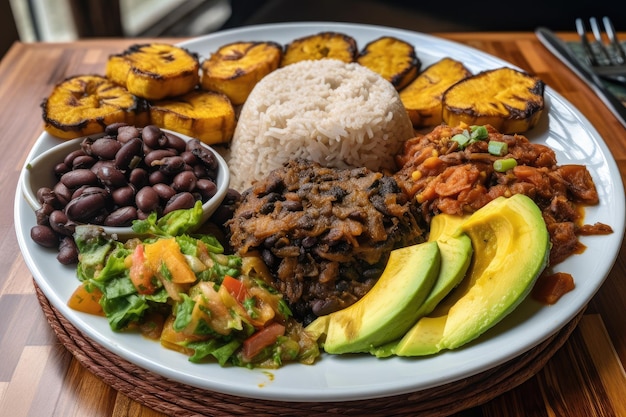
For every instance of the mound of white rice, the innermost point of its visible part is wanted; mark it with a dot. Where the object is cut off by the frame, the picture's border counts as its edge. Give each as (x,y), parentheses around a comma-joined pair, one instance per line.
(337,114)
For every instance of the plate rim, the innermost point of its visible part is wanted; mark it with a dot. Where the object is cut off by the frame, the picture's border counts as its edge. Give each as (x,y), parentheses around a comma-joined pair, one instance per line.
(336,393)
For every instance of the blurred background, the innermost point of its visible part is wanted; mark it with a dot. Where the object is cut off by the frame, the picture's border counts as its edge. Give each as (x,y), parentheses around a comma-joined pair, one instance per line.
(66,20)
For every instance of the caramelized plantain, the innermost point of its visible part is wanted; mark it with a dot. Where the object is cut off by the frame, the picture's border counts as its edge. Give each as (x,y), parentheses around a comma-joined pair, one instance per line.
(509,100)
(84,104)
(234,69)
(323,45)
(394,59)
(422,97)
(155,71)
(206,115)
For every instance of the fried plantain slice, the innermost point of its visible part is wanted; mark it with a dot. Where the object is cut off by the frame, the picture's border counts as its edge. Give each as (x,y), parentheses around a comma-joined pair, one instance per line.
(206,115)
(510,100)
(84,104)
(234,69)
(394,59)
(322,45)
(422,97)
(155,71)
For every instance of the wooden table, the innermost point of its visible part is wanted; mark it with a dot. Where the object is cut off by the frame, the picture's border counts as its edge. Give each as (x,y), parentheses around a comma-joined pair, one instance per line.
(39,377)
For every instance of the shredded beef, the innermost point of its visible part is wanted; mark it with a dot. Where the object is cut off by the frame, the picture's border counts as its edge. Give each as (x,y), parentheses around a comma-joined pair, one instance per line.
(324,233)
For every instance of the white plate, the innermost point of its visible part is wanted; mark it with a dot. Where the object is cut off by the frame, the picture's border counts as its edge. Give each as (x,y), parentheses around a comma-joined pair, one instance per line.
(338,378)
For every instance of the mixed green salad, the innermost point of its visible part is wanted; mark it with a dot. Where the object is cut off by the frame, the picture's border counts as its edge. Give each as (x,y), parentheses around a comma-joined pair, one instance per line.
(182,289)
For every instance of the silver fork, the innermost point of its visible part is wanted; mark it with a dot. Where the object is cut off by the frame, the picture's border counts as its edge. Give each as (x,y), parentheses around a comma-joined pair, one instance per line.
(607,59)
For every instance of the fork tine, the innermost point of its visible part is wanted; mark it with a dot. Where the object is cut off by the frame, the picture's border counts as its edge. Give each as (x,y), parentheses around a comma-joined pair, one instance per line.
(610,32)
(582,32)
(597,34)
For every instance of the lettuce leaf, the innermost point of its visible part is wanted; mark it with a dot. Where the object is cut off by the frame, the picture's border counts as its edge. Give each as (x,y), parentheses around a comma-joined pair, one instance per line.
(174,223)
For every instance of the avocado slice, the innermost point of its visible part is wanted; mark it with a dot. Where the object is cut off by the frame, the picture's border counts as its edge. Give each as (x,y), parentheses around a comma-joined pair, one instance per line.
(389,309)
(456,255)
(511,248)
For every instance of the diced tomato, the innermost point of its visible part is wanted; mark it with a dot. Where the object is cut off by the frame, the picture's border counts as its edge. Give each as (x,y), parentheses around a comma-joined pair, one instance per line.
(235,287)
(86,301)
(141,273)
(261,339)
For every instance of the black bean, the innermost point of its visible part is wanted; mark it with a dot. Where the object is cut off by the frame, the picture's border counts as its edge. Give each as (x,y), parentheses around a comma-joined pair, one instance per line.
(124,196)
(86,206)
(222,214)
(184,181)
(42,214)
(202,153)
(179,201)
(157,155)
(105,148)
(60,223)
(114,128)
(44,236)
(323,307)
(123,216)
(267,208)
(111,176)
(158,177)
(62,193)
(76,178)
(68,252)
(45,195)
(232,196)
(170,165)
(77,192)
(147,199)
(86,143)
(176,142)
(292,205)
(164,191)
(268,258)
(60,169)
(98,217)
(138,177)
(126,133)
(83,161)
(206,187)
(153,136)
(189,158)
(69,158)
(272,197)
(202,172)
(127,153)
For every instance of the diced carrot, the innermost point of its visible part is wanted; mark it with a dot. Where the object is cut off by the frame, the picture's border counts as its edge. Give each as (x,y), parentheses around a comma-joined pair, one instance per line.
(261,339)
(167,252)
(85,301)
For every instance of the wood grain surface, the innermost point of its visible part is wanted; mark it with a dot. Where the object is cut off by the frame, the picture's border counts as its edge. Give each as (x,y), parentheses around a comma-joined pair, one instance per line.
(39,377)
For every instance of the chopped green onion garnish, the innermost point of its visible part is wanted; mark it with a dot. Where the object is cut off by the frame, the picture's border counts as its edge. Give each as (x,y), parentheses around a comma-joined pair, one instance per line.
(479,132)
(503,165)
(461,139)
(497,148)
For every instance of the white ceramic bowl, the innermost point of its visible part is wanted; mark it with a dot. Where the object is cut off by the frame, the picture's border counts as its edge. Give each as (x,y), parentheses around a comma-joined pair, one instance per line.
(39,172)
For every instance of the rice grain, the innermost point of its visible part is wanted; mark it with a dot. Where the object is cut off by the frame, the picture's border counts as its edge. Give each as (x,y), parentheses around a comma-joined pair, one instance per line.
(336,114)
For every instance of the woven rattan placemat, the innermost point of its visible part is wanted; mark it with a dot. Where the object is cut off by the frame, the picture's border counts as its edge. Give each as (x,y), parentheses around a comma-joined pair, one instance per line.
(177,399)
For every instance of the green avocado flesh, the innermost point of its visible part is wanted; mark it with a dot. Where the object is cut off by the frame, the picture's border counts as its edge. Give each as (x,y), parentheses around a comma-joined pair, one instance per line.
(472,272)
(456,254)
(511,247)
(389,309)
